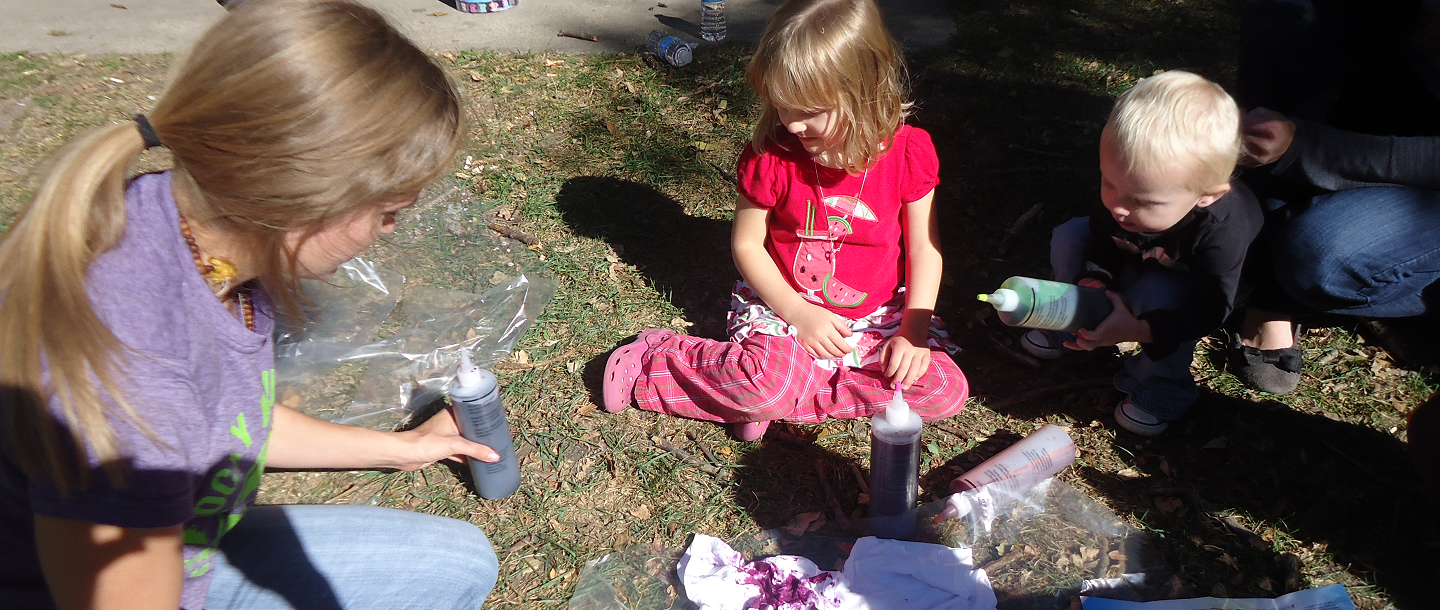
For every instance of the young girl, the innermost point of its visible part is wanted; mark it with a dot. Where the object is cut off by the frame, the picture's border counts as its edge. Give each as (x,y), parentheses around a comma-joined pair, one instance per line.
(835,238)
(136,368)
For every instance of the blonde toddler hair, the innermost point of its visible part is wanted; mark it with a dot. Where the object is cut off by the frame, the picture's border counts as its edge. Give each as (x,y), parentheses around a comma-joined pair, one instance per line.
(1177,120)
(835,55)
(288,116)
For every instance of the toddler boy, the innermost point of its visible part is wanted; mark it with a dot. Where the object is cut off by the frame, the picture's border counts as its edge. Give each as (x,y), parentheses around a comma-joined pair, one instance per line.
(1169,239)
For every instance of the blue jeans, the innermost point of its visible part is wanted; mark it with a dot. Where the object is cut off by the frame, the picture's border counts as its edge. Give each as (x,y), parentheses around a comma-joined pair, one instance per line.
(1365,252)
(1164,387)
(324,557)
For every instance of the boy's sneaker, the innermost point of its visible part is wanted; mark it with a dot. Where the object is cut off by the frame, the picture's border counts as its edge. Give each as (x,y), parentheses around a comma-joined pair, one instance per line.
(1046,344)
(1131,417)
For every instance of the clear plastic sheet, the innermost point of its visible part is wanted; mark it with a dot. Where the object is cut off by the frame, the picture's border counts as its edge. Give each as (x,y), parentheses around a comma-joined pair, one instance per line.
(1039,550)
(335,366)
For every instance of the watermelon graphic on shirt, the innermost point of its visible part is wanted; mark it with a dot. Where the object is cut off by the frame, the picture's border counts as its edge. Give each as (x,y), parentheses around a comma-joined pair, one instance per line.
(852,206)
(814,268)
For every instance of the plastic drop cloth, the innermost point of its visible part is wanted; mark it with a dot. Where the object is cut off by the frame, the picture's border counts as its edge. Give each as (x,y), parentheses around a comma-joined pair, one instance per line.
(1039,550)
(373,348)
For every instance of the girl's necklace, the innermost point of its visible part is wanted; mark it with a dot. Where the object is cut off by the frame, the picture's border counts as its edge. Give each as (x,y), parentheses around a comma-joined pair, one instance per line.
(218,274)
(825,207)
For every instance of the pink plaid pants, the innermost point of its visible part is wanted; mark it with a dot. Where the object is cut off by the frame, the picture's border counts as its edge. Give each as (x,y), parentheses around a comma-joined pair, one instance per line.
(766,378)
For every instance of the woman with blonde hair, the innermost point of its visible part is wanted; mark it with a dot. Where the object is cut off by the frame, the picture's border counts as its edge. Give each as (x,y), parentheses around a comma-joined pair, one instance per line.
(135,353)
(835,238)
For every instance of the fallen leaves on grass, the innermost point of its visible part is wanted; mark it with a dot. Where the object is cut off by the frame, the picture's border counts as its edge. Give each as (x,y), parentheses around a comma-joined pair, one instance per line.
(642,513)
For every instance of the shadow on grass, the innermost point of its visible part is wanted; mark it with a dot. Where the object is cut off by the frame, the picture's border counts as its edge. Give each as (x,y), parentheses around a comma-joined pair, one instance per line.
(1340,488)
(686,258)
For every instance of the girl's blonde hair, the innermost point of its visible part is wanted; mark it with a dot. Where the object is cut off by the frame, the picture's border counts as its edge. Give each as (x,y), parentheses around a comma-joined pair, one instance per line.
(1177,120)
(288,115)
(835,55)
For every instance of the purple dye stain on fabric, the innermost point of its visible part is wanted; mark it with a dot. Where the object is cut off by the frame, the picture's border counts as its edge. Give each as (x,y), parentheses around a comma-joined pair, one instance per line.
(782,590)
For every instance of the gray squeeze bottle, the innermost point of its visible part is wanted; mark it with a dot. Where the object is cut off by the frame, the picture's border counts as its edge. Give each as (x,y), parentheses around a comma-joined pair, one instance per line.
(894,470)
(1047,305)
(475,396)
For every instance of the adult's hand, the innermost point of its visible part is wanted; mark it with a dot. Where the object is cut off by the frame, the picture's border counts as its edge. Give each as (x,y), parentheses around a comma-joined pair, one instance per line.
(1265,136)
(300,441)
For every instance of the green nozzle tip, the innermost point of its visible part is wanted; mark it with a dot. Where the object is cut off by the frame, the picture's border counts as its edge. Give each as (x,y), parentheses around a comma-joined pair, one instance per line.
(983,297)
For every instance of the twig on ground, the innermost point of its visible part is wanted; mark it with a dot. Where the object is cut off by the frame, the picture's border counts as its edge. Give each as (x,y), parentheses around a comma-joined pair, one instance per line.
(705,449)
(1000,348)
(579,36)
(860,480)
(685,455)
(511,366)
(514,233)
(1021,224)
(1071,386)
(994,566)
(729,177)
(701,89)
(1042,153)
(840,516)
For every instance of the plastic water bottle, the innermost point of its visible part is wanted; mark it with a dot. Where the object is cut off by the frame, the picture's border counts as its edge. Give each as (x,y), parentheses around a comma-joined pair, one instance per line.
(674,51)
(475,396)
(712,20)
(894,469)
(1032,303)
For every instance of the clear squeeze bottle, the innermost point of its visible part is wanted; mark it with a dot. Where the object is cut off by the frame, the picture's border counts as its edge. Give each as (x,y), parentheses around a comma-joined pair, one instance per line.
(894,469)
(1032,303)
(475,396)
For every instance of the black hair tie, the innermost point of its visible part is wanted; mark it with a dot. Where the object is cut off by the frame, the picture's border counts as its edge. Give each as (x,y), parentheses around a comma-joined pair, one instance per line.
(147,132)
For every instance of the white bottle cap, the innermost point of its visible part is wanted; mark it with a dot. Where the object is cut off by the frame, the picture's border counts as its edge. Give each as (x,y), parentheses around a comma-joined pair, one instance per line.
(1003,299)
(897,413)
(469,374)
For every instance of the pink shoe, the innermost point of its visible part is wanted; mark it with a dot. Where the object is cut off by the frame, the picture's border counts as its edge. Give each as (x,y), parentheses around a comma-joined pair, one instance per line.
(623,368)
(750,431)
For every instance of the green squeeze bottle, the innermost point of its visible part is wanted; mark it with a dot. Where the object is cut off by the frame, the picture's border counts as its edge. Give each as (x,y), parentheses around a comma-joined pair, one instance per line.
(1047,305)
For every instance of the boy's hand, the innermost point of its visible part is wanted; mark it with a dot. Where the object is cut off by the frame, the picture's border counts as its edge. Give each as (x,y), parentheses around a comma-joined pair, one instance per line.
(1265,136)
(820,332)
(904,360)
(1120,326)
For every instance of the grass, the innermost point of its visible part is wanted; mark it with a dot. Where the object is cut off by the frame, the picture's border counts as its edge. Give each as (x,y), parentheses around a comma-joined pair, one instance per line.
(610,163)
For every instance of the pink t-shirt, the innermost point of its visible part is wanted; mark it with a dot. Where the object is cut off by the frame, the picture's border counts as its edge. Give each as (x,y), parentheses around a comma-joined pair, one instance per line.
(840,242)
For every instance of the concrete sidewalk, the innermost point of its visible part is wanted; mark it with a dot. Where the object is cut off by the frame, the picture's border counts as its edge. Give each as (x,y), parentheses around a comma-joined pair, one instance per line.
(152,26)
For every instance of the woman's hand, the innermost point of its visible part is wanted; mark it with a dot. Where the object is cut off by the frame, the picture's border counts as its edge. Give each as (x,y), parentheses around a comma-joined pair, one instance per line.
(904,359)
(439,439)
(1265,136)
(1120,326)
(819,331)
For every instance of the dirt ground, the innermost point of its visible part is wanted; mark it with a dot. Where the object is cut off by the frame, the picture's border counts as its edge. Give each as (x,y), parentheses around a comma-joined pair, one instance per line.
(615,168)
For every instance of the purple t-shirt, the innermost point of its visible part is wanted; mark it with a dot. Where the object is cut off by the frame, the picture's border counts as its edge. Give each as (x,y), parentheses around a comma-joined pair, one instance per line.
(204,384)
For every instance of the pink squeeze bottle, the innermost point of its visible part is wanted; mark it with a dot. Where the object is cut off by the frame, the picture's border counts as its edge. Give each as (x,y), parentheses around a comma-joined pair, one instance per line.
(1022,465)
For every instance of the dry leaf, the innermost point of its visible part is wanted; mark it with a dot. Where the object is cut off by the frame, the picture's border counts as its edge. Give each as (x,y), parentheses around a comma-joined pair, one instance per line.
(1165,468)
(521,177)
(572,366)
(1231,561)
(642,513)
(1218,443)
(475,76)
(1005,52)
(680,322)
(629,86)
(118,6)
(610,127)
(1266,584)
(522,357)
(437,14)
(1117,556)
(1219,591)
(801,522)
(551,63)
(1128,474)
(1169,505)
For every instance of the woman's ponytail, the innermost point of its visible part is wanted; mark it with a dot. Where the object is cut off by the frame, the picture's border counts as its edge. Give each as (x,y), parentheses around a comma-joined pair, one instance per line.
(77,214)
